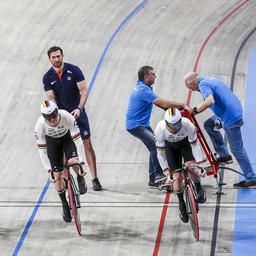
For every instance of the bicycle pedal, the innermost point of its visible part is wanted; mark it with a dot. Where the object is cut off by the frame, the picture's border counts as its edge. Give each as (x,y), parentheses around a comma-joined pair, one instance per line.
(219,193)
(161,183)
(160,188)
(169,189)
(167,185)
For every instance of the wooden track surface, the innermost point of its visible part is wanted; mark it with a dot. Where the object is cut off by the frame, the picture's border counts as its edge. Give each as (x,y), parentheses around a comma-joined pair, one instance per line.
(123,219)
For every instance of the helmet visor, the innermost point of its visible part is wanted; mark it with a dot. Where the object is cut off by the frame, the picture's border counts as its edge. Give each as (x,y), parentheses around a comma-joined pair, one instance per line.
(51,116)
(174,126)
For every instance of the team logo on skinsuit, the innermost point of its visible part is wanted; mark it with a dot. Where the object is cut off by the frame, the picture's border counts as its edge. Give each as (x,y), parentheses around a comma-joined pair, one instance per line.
(85,133)
(36,135)
(69,78)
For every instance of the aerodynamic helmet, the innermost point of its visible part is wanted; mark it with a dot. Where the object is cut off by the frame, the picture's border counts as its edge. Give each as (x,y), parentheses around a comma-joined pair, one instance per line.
(173,118)
(49,110)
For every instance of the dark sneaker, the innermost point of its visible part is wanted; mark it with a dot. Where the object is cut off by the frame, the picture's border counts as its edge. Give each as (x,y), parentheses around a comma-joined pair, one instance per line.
(96,185)
(201,197)
(183,213)
(160,177)
(225,159)
(81,184)
(66,213)
(245,184)
(152,184)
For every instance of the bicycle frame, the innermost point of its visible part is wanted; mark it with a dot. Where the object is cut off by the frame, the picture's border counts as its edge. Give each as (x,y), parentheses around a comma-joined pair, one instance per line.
(73,193)
(190,198)
(191,202)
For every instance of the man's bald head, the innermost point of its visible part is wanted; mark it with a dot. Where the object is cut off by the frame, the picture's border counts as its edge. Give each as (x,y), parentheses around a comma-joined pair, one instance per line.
(191,81)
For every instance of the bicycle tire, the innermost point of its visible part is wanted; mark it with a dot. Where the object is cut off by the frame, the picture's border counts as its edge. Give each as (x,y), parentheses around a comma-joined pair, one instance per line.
(76,192)
(192,211)
(193,188)
(74,209)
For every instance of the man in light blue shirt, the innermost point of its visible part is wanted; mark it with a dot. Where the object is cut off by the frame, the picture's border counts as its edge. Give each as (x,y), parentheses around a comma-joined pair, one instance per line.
(138,116)
(228,110)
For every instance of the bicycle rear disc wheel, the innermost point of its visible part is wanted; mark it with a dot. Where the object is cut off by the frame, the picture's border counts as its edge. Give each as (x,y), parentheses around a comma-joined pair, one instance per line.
(192,212)
(74,209)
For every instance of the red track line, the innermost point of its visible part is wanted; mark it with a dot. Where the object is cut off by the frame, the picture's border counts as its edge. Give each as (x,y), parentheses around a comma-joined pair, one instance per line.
(207,39)
(161,224)
(167,196)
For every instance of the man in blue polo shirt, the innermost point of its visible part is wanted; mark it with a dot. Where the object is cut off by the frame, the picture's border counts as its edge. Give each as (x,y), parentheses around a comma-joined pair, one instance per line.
(138,116)
(65,84)
(229,113)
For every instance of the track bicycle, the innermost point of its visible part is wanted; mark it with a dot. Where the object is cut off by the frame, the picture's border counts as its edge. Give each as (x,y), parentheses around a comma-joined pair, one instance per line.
(190,194)
(73,193)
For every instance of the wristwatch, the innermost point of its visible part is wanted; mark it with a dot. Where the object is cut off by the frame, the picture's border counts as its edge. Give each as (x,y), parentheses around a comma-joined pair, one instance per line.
(79,109)
(194,111)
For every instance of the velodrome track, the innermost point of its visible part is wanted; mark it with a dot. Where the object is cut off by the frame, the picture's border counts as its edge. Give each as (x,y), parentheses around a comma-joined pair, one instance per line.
(110,40)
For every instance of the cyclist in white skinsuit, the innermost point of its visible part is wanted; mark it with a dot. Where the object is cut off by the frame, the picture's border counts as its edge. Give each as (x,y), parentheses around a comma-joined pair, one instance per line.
(175,138)
(57,134)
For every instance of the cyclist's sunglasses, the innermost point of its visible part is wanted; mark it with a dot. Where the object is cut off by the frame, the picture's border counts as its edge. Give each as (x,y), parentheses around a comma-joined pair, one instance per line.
(51,116)
(176,125)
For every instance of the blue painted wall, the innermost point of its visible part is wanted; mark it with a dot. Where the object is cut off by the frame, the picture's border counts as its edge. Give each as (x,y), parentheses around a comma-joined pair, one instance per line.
(245,220)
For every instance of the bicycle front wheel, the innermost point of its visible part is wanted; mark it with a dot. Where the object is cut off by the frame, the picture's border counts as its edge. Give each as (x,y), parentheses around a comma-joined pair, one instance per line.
(73,206)
(192,211)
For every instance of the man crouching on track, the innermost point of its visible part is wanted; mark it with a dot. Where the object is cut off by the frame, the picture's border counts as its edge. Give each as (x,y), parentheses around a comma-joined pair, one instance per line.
(55,131)
(174,137)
